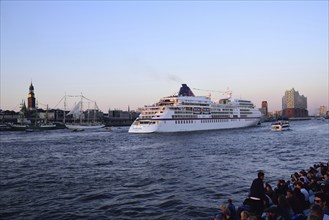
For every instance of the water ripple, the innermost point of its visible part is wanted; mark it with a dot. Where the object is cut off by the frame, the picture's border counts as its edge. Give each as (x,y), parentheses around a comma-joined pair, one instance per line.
(116,175)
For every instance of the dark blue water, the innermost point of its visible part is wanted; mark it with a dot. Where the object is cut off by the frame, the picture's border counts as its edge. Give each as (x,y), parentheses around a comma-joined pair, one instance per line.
(116,175)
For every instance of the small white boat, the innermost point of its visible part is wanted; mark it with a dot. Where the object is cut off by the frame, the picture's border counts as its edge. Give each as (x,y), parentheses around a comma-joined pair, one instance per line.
(281,125)
(47,126)
(84,127)
(18,127)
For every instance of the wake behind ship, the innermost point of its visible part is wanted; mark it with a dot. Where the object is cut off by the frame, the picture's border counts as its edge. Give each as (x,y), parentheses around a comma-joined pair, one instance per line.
(187,112)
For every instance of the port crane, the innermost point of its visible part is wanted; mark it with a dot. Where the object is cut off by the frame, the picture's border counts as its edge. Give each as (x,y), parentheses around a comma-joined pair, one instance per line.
(228,92)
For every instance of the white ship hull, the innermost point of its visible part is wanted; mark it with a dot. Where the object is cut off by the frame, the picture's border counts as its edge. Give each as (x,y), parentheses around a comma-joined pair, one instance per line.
(193,125)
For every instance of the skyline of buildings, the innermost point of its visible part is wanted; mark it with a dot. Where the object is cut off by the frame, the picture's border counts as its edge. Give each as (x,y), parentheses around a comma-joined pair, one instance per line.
(293,105)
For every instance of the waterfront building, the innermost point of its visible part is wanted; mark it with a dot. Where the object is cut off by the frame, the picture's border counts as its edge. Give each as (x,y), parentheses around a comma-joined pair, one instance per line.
(120,118)
(31,98)
(8,116)
(323,111)
(294,105)
(46,115)
(275,114)
(119,114)
(264,108)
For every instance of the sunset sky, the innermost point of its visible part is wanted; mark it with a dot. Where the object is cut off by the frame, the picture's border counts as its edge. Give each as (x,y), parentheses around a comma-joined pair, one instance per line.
(132,53)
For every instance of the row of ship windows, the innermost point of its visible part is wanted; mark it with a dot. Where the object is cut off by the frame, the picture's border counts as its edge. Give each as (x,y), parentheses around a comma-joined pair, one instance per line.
(202,121)
(149,116)
(212,116)
(204,113)
(183,113)
(187,111)
(204,109)
(192,121)
(201,113)
(152,113)
(214,120)
(198,104)
(194,116)
(221,111)
(148,122)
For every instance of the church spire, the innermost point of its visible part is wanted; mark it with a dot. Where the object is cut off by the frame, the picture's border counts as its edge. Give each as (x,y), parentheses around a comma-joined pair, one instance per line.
(31,88)
(31,98)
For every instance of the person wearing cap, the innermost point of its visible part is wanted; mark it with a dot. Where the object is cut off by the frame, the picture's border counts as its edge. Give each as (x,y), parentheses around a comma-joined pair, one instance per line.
(257,194)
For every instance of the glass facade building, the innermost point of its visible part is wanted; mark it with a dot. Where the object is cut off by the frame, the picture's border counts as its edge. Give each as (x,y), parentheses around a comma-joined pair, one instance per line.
(294,104)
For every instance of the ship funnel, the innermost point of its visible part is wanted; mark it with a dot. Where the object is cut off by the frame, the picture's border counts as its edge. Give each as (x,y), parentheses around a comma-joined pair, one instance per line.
(185,91)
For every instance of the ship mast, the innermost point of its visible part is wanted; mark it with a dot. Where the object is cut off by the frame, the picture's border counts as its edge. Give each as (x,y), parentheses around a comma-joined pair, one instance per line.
(47,114)
(94,113)
(81,111)
(64,109)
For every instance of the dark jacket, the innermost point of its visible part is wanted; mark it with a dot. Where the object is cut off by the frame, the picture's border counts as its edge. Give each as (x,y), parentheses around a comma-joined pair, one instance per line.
(257,189)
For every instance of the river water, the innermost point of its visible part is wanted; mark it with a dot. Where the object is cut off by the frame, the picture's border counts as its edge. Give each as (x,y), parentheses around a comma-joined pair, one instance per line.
(115,175)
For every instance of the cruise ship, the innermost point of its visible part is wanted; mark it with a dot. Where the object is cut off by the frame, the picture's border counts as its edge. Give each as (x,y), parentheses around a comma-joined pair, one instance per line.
(187,112)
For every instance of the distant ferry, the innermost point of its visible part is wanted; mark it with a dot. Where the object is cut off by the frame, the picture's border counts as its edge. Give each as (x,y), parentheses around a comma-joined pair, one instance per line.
(187,112)
(281,125)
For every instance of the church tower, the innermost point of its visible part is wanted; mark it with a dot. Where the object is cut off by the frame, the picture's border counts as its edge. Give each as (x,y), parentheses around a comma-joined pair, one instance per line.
(31,99)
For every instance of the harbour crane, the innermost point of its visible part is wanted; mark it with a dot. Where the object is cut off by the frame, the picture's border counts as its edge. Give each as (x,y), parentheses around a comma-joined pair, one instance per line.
(228,92)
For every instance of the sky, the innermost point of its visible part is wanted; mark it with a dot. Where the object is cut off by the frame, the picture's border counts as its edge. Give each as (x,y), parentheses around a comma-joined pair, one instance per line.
(132,53)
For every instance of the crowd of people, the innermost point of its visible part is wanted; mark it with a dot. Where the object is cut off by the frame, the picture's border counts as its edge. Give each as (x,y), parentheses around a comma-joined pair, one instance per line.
(304,197)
